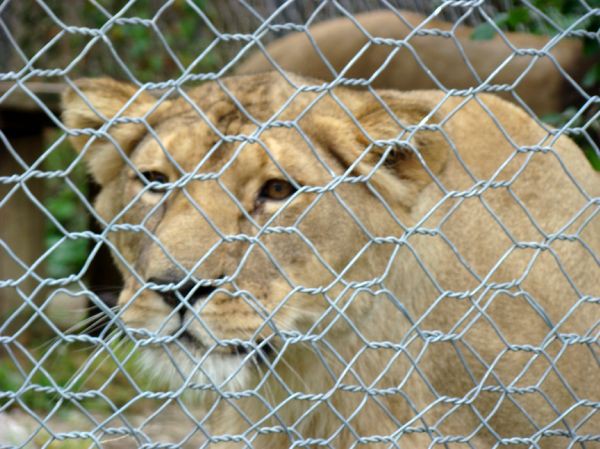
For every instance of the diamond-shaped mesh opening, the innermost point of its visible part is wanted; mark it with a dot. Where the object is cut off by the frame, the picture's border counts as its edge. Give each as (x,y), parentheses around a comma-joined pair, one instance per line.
(189,259)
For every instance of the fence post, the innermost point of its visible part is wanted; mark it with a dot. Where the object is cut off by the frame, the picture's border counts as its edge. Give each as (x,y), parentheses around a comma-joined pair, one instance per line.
(22,223)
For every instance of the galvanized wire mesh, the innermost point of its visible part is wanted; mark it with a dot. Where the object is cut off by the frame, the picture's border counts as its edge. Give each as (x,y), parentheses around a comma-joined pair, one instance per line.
(446,371)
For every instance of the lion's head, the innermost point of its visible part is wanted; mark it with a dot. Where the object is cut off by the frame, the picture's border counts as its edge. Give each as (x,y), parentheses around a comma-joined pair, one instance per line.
(238,212)
(258,220)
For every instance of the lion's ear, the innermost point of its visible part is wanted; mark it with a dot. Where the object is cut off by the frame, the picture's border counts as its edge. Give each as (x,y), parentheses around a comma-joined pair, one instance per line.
(398,142)
(114,109)
(417,148)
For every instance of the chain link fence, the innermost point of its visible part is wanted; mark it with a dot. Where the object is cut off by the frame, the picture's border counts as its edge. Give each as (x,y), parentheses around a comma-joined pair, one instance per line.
(263,236)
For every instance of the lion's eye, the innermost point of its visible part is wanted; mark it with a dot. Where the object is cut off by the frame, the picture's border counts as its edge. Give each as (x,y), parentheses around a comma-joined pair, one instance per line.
(155,176)
(277,190)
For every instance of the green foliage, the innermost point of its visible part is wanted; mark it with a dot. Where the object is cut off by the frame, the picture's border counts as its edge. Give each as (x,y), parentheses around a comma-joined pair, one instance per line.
(153,41)
(539,20)
(563,13)
(559,119)
(11,380)
(59,370)
(162,51)
(68,211)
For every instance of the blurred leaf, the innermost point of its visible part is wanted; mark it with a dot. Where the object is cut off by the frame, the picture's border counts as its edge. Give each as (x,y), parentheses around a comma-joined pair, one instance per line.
(516,16)
(593,158)
(67,258)
(592,77)
(483,32)
(9,379)
(62,207)
(591,46)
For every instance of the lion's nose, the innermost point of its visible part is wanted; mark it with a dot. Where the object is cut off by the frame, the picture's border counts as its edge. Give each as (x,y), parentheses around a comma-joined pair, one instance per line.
(189,292)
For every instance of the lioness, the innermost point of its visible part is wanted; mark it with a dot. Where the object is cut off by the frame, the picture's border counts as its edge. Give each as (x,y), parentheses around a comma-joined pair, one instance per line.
(340,267)
(406,50)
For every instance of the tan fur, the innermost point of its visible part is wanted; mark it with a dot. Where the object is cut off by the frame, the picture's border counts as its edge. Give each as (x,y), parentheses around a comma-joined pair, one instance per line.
(538,82)
(425,330)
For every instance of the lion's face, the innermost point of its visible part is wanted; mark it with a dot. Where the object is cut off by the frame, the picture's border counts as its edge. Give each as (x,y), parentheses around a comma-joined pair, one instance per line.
(229,233)
(235,246)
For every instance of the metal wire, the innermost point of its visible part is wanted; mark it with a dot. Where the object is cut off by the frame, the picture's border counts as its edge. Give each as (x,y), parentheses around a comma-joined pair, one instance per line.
(166,418)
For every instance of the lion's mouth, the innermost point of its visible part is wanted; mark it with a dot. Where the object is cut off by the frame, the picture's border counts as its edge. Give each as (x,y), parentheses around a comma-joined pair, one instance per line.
(262,351)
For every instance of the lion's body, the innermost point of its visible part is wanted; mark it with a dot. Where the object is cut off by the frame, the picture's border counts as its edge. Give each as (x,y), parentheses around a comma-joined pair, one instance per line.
(453,61)
(466,287)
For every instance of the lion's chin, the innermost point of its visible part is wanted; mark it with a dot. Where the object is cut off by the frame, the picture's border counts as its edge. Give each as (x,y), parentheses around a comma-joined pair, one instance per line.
(178,367)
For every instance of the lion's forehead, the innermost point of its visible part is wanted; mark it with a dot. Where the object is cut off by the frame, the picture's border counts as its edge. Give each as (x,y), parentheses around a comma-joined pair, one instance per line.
(227,141)
(241,131)
(258,99)
(192,146)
